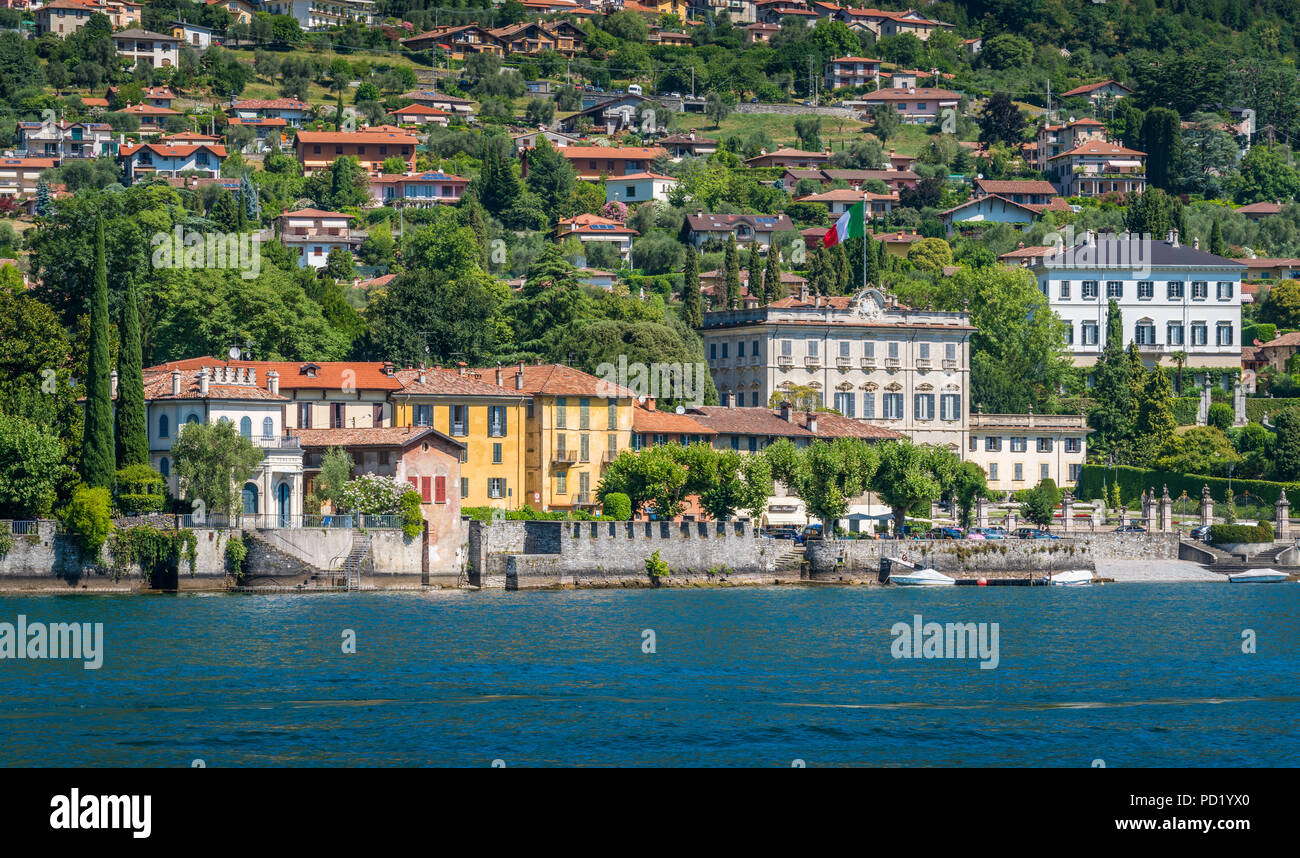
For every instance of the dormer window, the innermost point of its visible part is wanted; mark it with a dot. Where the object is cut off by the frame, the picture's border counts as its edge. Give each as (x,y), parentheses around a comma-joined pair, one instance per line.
(311,370)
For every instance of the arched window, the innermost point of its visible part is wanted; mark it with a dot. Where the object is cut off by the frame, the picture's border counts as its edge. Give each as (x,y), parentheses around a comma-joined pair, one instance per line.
(246,427)
(268,428)
(165,467)
(193,418)
(164,426)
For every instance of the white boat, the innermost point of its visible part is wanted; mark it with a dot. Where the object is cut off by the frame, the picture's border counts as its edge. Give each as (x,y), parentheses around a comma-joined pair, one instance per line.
(1073,578)
(1258,576)
(923,578)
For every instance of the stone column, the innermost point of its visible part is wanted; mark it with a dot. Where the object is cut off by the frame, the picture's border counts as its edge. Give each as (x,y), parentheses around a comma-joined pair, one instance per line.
(1166,512)
(1282,531)
(1203,408)
(1149,511)
(1238,403)
(1207,506)
(1067,511)
(1011,519)
(981,512)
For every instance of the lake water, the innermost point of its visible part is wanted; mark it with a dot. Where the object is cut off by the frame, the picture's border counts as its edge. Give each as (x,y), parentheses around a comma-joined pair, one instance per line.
(1135,675)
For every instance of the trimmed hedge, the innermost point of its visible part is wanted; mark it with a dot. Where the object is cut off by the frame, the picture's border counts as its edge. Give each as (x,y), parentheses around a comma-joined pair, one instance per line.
(1134,481)
(1258,407)
(1228,534)
(1262,331)
(1185,408)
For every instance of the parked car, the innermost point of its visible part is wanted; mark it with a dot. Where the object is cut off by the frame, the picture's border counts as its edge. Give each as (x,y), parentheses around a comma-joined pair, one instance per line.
(1202,533)
(1044,534)
(1034,533)
(812,531)
(986,533)
(1131,528)
(785,532)
(946,533)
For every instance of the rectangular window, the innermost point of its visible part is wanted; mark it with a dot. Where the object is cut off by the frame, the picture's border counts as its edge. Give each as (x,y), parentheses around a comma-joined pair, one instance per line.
(869,350)
(584,447)
(458,419)
(950,351)
(950,406)
(1200,290)
(464,488)
(496,454)
(1174,334)
(439,489)
(893,350)
(924,351)
(1225,290)
(1072,445)
(753,443)
(1146,289)
(1089,333)
(1043,472)
(377,414)
(869,405)
(993,443)
(304,415)
(496,487)
(753,350)
(1223,334)
(1064,290)
(893,404)
(740,349)
(1018,472)
(1144,334)
(923,406)
(993,470)
(713,351)
(496,421)
(786,348)
(612,410)
(1200,333)
(422,415)
(584,404)
(611,444)
(1018,444)
(812,347)
(1069,333)
(844,404)
(724,350)
(426,489)
(845,346)
(1174,290)
(1089,289)
(561,412)
(1074,472)
(1115,289)
(1044,445)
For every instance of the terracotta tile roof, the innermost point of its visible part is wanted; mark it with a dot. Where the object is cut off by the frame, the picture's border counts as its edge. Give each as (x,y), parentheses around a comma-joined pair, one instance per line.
(151,110)
(373,135)
(707,222)
(317,213)
(380,436)
(1098,147)
(844,195)
(1014,186)
(912,93)
(270,104)
(1089,87)
(631,176)
(654,422)
(418,110)
(1291,339)
(376,282)
(297,374)
(1023,252)
(173,150)
(27,162)
(431,176)
(556,379)
(441,381)
(640,153)
(269,121)
(158,386)
(768,423)
(786,152)
(1261,208)
(685,139)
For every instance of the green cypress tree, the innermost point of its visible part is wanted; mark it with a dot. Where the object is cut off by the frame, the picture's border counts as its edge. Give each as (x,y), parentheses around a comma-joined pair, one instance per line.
(1217,245)
(839,267)
(772,276)
(873,263)
(731,265)
(471,215)
(1156,423)
(132,433)
(692,301)
(817,273)
(97,440)
(1111,392)
(1137,377)
(757,287)
(42,197)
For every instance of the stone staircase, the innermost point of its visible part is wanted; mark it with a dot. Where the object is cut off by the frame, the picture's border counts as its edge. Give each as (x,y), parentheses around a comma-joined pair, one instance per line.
(1225,563)
(357,559)
(269,564)
(790,560)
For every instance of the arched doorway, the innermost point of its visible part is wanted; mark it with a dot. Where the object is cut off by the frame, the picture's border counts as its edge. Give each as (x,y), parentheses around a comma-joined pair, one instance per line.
(282,503)
(249,495)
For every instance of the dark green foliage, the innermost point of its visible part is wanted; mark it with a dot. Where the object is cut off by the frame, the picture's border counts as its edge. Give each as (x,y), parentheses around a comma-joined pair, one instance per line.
(97,463)
(132,432)
(1234,534)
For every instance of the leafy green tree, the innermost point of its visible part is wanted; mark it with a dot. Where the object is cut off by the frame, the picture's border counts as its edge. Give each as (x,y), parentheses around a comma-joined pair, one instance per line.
(809,129)
(1112,389)
(756,273)
(1286,450)
(211,462)
(1156,423)
(335,472)
(1220,416)
(725,480)
(1001,121)
(1155,213)
(1282,307)
(551,177)
(930,255)
(89,516)
(1162,140)
(1199,450)
(1006,51)
(1265,176)
(906,475)
(31,467)
(717,107)
(731,264)
(1038,505)
(772,276)
(885,122)
(132,431)
(825,475)
(653,479)
(969,484)
(692,300)
(97,465)
(1217,245)
(340,265)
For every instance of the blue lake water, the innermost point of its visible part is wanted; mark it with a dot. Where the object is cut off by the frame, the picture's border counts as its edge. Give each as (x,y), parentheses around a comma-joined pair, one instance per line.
(1132,674)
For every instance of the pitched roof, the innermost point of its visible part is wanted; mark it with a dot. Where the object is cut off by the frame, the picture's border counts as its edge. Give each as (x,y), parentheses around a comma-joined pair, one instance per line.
(143,34)
(651,421)
(1291,339)
(440,381)
(378,436)
(787,152)
(329,375)
(1261,209)
(317,213)
(427,176)
(640,153)
(270,104)
(359,137)
(844,195)
(158,386)
(419,110)
(174,150)
(911,93)
(1098,147)
(151,110)
(1016,186)
(1089,87)
(1124,252)
(556,379)
(768,422)
(708,222)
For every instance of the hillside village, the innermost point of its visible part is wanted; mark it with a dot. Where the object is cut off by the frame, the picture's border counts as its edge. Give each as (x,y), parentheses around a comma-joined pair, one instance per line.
(796,262)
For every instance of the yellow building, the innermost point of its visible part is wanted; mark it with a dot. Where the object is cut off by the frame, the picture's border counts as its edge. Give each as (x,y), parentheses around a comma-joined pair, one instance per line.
(486,410)
(577,424)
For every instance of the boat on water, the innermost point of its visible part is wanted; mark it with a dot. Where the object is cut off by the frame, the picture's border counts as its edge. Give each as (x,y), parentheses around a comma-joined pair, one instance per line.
(923,578)
(1073,578)
(1258,576)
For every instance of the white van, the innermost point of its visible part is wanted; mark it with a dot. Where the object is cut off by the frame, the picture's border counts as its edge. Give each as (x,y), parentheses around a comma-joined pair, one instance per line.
(634,88)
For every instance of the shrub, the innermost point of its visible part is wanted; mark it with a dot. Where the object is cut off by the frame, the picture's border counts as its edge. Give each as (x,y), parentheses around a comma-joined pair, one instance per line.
(617,506)
(6,543)
(655,567)
(154,550)
(412,514)
(236,553)
(1226,534)
(1220,416)
(139,490)
(89,517)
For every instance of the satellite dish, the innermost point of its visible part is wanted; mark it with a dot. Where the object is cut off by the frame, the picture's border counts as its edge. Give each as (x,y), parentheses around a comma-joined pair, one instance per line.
(681,409)
(234,352)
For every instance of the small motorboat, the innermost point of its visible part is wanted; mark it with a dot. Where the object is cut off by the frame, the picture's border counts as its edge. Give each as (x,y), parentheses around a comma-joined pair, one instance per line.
(1258,576)
(923,578)
(1073,578)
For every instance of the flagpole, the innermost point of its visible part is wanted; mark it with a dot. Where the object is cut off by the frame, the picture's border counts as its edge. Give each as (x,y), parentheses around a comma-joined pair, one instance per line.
(864,239)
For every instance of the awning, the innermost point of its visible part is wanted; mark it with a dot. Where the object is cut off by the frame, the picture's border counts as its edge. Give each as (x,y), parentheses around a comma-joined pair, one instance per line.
(771,519)
(1123,163)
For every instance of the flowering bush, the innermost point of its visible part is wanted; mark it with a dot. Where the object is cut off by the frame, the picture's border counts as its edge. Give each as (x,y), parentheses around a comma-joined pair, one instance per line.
(371,494)
(614,210)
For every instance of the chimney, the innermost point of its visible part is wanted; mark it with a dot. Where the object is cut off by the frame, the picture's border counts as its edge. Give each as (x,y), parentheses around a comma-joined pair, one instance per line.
(803,292)
(176,382)
(273,383)
(1020,245)
(1196,243)
(499,382)
(203,381)
(388,367)
(699,212)
(1173,237)
(112,381)
(460,367)
(812,422)
(785,410)
(649,403)
(424,378)
(519,377)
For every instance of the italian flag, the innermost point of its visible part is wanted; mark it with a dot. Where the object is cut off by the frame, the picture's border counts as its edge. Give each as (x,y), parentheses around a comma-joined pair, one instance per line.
(852,224)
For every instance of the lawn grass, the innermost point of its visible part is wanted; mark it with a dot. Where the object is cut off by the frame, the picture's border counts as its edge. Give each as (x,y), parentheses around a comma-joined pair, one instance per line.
(836,133)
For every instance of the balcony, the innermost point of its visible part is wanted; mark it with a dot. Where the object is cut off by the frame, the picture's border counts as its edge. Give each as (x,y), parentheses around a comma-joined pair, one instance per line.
(583,499)
(893,363)
(949,364)
(844,362)
(755,360)
(812,362)
(564,457)
(868,363)
(785,360)
(922,363)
